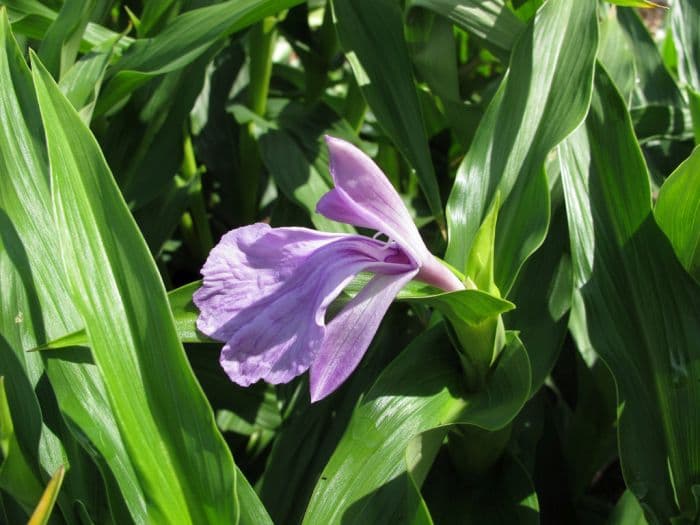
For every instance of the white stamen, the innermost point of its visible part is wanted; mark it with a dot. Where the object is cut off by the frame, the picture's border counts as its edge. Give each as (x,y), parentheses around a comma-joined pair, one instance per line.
(389,243)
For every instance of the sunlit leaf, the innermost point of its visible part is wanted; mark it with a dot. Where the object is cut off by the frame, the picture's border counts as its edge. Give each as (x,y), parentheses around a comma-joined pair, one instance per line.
(678,212)
(43,510)
(148,382)
(647,4)
(366,479)
(520,127)
(183,40)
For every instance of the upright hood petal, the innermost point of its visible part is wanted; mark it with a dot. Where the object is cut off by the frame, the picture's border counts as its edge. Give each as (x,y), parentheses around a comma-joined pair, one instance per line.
(363,196)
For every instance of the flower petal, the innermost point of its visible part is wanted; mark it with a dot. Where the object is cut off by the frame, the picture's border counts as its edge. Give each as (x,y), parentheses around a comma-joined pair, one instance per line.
(437,274)
(363,196)
(266,291)
(249,263)
(349,334)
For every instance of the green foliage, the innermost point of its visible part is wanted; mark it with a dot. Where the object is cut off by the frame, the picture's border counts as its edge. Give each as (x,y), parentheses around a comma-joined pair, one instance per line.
(561,386)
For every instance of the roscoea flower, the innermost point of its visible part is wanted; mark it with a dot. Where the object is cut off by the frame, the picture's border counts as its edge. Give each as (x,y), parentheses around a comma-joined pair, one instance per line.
(266,290)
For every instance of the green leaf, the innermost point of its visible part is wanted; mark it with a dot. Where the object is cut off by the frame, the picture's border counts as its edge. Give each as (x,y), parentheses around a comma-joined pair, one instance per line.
(685,23)
(646,4)
(434,52)
(481,256)
(42,513)
(542,294)
(81,83)
(694,103)
(155,13)
(655,85)
(490,21)
(537,105)
(475,323)
(159,219)
(311,432)
(183,40)
(33,19)
(574,159)
(151,140)
(616,53)
(297,177)
(366,479)
(35,305)
(59,47)
(148,381)
(658,106)
(678,212)
(642,311)
(371,33)
(184,315)
(628,511)
(17,476)
(505,494)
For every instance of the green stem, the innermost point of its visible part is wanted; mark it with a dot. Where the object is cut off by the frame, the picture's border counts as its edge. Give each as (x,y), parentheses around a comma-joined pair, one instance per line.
(261,41)
(474,451)
(194,223)
(355,105)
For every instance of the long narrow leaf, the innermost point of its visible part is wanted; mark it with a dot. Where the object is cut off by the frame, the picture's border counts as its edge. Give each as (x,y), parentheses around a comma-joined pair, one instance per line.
(187,470)
(538,104)
(366,479)
(371,33)
(182,41)
(678,212)
(643,312)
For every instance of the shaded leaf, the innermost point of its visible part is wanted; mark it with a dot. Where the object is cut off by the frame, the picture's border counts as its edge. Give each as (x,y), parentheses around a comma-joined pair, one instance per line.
(642,311)
(678,212)
(297,177)
(490,20)
(17,476)
(371,33)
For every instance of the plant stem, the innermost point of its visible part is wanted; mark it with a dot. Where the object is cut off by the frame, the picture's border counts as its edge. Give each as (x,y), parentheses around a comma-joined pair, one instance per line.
(355,105)
(261,42)
(194,223)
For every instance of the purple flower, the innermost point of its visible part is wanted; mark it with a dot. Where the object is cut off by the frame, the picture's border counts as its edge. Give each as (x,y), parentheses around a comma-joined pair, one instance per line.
(266,290)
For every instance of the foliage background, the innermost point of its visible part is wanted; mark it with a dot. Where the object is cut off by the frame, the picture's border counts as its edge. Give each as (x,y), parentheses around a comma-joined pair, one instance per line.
(545,147)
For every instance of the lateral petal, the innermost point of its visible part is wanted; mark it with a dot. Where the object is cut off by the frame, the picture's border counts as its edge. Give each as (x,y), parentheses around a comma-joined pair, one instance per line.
(247,264)
(350,333)
(266,292)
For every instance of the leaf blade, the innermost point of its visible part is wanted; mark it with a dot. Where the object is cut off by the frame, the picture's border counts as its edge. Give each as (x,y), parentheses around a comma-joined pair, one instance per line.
(180,483)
